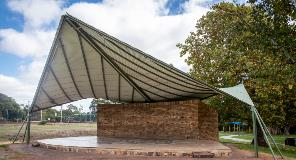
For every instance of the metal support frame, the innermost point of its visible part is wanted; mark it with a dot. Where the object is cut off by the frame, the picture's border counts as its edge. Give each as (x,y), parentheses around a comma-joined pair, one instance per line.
(86,65)
(25,134)
(100,51)
(158,62)
(159,88)
(256,116)
(69,68)
(15,138)
(268,133)
(48,96)
(104,78)
(119,98)
(166,98)
(28,130)
(59,84)
(188,85)
(190,92)
(133,94)
(255,133)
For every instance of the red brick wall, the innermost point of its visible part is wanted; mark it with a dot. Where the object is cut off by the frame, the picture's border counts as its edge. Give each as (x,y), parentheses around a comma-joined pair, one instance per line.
(163,120)
(208,123)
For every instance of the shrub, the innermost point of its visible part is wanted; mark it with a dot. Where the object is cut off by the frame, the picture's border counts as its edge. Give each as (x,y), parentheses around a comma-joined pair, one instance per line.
(43,122)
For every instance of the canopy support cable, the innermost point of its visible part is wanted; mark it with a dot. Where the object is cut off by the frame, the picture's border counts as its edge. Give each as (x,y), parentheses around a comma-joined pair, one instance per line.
(86,65)
(35,105)
(100,51)
(255,133)
(267,131)
(157,94)
(58,82)
(48,96)
(68,66)
(160,88)
(187,86)
(119,98)
(104,78)
(125,51)
(48,60)
(15,138)
(264,134)
(158,81)
(133,94)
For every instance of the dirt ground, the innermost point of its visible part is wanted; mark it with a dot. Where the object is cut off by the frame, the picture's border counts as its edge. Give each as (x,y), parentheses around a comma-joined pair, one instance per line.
(27,152)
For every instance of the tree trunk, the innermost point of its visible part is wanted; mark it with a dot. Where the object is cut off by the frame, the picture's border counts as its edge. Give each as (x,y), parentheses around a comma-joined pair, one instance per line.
(260,137)
(286,130)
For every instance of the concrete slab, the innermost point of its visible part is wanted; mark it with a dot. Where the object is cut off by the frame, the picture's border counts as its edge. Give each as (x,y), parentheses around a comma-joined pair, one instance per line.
(138,147)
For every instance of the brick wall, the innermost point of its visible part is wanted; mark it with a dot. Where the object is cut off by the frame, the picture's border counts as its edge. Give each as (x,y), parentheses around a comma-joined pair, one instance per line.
(208,122)
(163,120)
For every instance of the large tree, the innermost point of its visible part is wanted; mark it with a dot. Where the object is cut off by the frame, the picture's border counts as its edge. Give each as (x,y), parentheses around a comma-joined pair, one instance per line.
(229,46)
(9,109)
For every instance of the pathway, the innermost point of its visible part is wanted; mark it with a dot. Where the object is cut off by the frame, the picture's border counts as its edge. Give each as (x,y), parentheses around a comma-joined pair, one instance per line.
(232,137)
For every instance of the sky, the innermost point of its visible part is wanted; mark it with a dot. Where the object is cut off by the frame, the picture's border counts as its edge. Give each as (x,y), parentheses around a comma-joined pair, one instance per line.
(27,29)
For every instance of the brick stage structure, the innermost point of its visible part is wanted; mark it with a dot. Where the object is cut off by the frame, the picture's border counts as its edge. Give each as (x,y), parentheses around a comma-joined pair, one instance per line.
(178,120)
(187,129)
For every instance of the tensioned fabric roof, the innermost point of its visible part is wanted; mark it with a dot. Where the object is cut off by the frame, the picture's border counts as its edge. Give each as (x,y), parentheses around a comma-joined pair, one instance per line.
(85,62)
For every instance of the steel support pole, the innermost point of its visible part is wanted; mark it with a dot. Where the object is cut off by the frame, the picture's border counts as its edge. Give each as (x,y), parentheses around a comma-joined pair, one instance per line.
(28,126)
(264,134)
(267,131)
(255,132)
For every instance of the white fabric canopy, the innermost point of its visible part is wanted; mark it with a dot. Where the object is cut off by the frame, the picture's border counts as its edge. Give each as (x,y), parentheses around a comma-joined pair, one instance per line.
(85,62)
(239,92)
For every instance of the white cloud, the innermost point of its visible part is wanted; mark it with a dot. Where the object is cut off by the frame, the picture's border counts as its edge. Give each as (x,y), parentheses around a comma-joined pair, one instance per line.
(31,72)
(143,24)
(37,13)
(15,88)
(34,43)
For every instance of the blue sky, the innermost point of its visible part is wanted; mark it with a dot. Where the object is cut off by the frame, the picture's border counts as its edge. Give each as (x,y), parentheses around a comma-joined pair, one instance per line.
(27,28)
(9,63)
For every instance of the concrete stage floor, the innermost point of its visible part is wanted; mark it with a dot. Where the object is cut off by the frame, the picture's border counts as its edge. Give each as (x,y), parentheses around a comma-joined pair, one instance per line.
(138,147)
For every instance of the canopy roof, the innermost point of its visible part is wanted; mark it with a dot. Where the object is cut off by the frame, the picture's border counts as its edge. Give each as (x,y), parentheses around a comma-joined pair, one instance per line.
(87,63)
(239,92)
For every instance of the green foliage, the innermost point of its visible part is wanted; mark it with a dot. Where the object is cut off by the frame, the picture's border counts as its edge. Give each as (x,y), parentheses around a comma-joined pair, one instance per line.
(96,102)
(9,109)
(3,146)
(233,43)
(43,122)
(50,114)
(71,110)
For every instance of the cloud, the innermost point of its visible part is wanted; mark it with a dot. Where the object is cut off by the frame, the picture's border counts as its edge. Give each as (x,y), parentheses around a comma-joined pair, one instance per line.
(37,13)
(15,88)
(147,25)
(34,43)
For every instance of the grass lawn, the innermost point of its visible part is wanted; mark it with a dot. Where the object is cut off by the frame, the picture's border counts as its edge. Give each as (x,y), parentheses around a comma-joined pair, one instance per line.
(288,151)
(51,130)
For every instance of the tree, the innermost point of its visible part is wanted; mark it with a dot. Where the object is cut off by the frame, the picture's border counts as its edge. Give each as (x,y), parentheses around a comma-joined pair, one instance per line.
(228,47)
(9,109)
(71,111)
(95,102)
(275,27)
(51,114)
